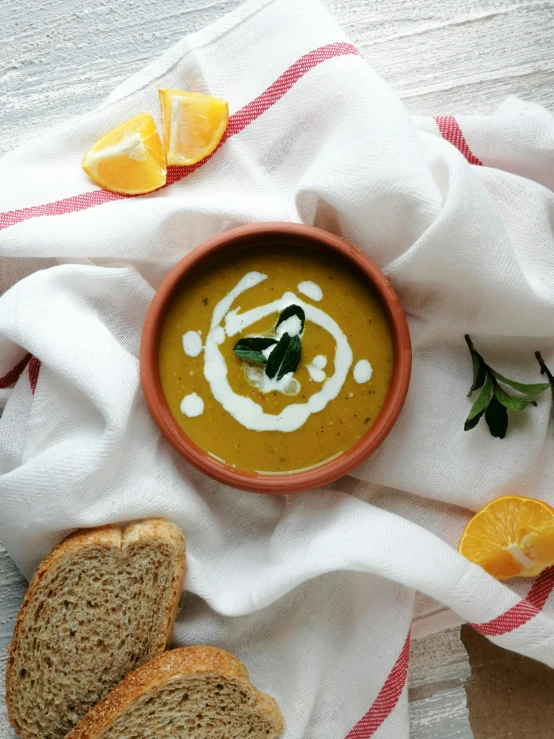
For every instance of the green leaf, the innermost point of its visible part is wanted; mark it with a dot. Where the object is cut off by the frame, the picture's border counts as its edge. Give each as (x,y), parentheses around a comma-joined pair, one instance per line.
(510,402)
(523,387)
(471,424)
(285,357)
(293,310)
(545,371)
(479,372)
(480,404)
(250,349)
(496,417)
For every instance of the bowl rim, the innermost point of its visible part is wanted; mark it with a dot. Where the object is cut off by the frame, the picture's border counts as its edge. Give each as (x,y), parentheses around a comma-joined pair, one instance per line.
(286,482)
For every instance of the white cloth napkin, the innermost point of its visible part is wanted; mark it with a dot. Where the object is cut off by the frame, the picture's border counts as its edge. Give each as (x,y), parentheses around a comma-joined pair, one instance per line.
(315,592)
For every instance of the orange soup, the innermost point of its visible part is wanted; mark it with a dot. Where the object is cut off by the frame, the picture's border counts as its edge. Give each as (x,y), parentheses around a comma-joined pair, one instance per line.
(275,360)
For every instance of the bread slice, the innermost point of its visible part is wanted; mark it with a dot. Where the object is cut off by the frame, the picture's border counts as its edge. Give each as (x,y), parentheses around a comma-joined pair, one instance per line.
(101,604)
(192,693)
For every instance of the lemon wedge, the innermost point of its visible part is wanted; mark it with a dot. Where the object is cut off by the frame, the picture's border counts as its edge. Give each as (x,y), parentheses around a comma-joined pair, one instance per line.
(130,159)
(193,125)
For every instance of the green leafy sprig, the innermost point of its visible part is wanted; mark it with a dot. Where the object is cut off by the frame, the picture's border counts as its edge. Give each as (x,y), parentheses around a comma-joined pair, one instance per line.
(493,401)
(251,348)
(546,371)
(285,357)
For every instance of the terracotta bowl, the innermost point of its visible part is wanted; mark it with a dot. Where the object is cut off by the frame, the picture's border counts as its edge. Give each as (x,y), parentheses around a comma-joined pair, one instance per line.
(251,236)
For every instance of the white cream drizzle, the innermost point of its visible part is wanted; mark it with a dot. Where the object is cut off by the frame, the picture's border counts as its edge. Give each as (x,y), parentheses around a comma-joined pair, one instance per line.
(130,145)
(292,325)
(317,375)
(244,410)
(192,343)
(192,405)
(315,368)
(256,376)
(310,290)
(363,371)
(219,335)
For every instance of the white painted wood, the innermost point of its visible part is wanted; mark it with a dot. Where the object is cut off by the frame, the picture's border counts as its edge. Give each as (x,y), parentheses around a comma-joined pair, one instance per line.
(438,670)
(437,661)
(442,56)
(12,590)
(60,57)
(440,716)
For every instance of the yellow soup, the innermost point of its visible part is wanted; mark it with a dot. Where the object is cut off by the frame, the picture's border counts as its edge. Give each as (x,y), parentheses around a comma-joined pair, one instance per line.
(308,402)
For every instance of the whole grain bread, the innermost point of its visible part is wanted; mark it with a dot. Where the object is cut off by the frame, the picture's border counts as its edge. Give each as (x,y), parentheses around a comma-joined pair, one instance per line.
(101,604)
(192,693)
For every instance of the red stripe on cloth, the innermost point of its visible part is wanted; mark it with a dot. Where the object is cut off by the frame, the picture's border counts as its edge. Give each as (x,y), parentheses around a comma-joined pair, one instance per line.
(386,700)
(34,369)
(275,92)
(15,373)
(237,122)
(523,611)
(59,207)
(451,131)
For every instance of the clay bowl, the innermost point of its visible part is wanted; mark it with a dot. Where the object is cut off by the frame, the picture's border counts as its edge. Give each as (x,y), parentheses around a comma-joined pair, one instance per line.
(247,237)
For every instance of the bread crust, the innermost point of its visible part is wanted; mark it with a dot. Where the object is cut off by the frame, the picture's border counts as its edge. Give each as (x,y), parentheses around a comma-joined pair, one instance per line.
(109,536)
(198,660)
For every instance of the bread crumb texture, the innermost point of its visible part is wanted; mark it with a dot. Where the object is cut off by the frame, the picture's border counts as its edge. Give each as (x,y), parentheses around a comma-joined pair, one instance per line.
(192,693)
(100,605)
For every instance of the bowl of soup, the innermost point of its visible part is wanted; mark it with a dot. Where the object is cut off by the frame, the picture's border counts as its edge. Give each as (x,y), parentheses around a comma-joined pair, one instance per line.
(275,357)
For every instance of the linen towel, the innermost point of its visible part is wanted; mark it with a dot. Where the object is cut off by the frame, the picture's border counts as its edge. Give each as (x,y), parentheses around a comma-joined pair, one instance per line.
(314,592)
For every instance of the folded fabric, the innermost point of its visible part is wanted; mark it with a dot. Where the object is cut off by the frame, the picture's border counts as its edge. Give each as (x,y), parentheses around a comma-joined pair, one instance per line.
(314,592)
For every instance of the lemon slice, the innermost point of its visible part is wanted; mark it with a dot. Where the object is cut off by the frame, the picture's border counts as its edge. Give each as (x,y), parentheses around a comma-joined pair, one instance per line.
(193,125)
(512,536)
(128,160)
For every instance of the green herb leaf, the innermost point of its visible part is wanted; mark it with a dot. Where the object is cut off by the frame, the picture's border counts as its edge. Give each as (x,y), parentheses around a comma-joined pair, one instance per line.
(285,357)
(510,402)
(471,424)
(480,404)
(522,387)
(479,372)
(497,406)
(496,417)
(546,371)
(293,310)
(250,349)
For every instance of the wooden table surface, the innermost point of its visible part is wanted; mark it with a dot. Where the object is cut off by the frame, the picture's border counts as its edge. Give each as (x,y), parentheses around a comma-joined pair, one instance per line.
(60,57)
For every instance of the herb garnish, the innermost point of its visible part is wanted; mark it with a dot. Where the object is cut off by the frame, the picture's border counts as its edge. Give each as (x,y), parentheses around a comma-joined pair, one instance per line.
(292,310)
(285,357)
(546,371)
(251,348)
(493,401)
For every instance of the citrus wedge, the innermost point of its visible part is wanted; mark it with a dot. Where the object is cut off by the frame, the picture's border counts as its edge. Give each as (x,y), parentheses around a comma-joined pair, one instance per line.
(193,125)
(128,160)
(511,537)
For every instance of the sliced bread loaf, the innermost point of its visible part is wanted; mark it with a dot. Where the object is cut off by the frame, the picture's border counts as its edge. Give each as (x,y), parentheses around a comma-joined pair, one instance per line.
(192,693)
(101,604)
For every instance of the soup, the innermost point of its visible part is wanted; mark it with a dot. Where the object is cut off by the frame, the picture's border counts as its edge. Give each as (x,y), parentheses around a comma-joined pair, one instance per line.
(275,359)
